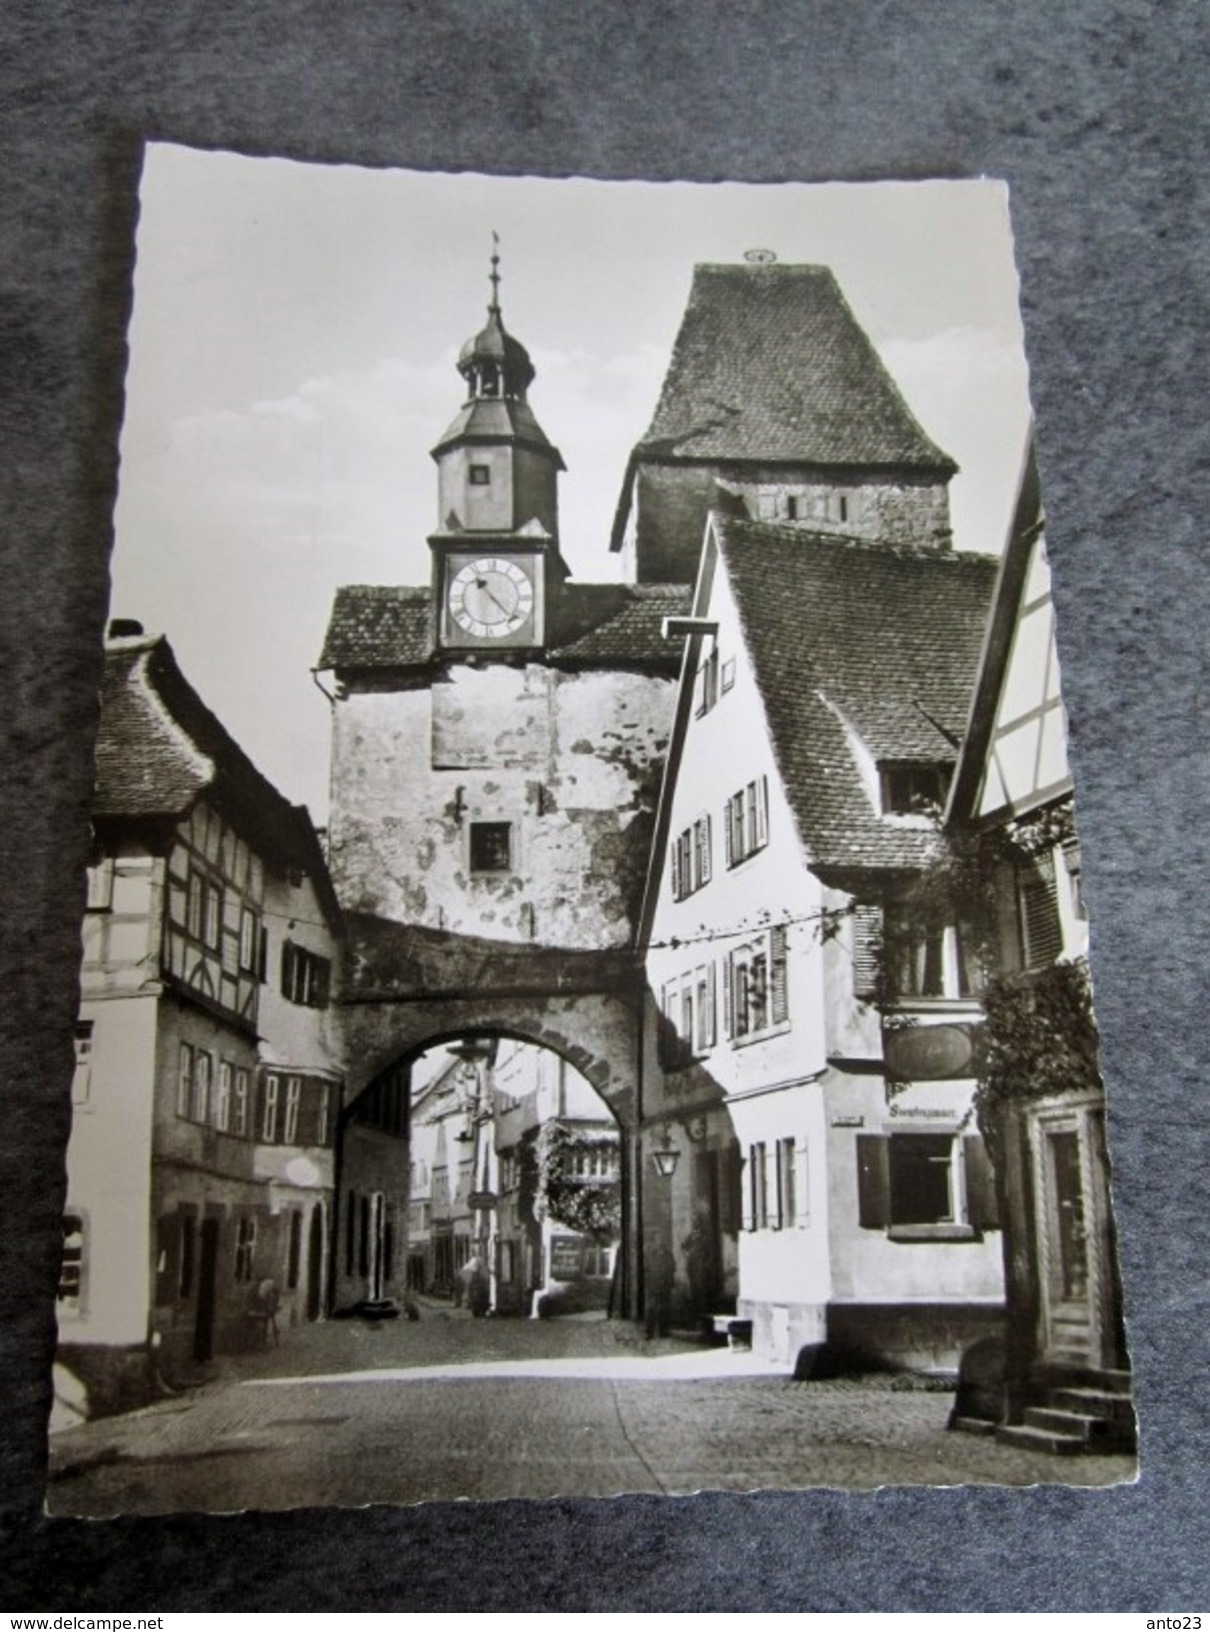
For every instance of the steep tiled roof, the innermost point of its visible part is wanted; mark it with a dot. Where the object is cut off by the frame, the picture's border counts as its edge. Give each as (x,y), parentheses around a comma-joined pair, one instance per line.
(863,638)
(632,630)
(376,627)
(159,748)
(771,365)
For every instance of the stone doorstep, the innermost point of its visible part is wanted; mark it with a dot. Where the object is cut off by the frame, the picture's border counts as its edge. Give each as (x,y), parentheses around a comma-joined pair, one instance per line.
(1113,1408)
(1057,1421)
(1027,1438)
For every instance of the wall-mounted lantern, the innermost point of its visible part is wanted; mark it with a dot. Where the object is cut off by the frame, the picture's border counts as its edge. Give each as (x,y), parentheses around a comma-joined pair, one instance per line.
(665,1156)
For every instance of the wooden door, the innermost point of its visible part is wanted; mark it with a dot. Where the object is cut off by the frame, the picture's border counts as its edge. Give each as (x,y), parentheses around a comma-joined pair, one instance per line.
(1069,1270)
(203,1326)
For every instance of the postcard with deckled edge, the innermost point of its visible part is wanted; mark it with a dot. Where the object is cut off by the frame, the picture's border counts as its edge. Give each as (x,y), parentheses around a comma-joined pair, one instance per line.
(584,980)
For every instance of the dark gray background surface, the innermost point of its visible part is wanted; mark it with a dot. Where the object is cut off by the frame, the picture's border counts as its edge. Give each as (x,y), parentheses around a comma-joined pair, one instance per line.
(1095,111)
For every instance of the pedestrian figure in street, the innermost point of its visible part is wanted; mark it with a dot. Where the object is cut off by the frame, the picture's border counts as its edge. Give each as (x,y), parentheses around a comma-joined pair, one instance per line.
(263,1303)
(661,1268)
(476,1291)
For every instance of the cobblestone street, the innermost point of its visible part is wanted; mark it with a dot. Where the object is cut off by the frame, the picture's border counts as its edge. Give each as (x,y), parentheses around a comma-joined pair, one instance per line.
(446,1408)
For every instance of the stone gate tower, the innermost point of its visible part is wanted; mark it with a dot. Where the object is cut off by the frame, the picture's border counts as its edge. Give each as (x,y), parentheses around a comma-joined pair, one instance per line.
(498,737)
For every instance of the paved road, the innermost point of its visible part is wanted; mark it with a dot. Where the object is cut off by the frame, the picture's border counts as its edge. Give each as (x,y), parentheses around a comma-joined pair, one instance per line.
(447,1408)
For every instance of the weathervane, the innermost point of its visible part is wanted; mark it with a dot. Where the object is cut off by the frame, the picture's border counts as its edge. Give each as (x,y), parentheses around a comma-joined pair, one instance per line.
(494,275)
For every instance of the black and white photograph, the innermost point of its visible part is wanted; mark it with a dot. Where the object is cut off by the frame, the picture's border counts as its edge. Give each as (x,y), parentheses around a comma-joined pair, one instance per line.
(585,977)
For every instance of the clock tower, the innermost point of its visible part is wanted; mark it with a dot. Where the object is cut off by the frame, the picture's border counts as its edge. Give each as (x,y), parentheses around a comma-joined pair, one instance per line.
(497,570)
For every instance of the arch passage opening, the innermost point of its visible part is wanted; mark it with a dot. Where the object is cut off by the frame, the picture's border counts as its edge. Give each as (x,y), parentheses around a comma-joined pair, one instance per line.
(483,1174)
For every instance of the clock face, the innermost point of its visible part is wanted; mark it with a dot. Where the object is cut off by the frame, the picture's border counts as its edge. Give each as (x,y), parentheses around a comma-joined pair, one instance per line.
(491,597)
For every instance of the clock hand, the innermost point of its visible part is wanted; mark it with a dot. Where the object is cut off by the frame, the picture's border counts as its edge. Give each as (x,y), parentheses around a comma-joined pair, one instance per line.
(481,583)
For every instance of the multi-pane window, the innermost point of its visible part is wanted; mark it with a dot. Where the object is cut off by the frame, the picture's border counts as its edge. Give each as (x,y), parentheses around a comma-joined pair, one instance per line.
(691,858)
(239,1106)
(322,1112)
(690,1009)
(598,1262)
(204,910)
(593,1162)
(245,1248)
(924,958)
(203,1065)
(923,1183)
(70,1295)
(491,847)
(913,787)
(707,683)
(787,1185)
(100,886)
(306,978)
(756,985)
(251,944)
(747,829)
(222,1104)
(184,1081)
(705,1033)
(269,1101)
(290,1120)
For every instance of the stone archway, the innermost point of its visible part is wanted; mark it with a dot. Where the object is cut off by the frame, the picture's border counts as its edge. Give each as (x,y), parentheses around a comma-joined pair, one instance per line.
(410,990)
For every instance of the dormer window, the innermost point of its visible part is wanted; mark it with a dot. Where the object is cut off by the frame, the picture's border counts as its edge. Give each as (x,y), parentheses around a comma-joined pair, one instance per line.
(912,787)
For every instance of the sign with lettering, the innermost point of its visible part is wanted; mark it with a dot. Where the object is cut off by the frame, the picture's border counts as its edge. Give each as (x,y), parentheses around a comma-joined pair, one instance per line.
(566,1257)
(848,1121)
(929,1053)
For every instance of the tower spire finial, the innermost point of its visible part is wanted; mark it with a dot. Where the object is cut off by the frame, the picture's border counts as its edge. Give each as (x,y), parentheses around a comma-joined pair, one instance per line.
(494,276)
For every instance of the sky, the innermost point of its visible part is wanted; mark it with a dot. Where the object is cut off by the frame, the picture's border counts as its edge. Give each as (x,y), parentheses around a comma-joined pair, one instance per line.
(292,349)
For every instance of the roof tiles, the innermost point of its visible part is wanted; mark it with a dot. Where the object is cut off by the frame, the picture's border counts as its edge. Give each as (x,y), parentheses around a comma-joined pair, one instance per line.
(600,625)
(771,365)
(853,639)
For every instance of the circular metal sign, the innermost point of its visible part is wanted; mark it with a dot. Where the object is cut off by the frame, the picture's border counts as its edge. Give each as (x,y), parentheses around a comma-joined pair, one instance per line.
(760,257)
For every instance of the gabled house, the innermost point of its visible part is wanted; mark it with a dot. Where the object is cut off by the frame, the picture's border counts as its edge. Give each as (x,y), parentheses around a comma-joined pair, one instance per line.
(814,1014)
(1065,1374)
(208,1080)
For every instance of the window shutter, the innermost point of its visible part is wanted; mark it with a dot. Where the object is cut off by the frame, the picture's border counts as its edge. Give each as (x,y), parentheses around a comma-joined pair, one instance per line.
(761,836)
(323,982)
(779,1198)
(731,1203)
(262,961)
(747,1190)
(801,1195)
(873,1181)
(728,996)
(287,968)
(675,859)
(728,837)
(707,849)
(777,970)
(1043,933)
(982,1212)
(867,933)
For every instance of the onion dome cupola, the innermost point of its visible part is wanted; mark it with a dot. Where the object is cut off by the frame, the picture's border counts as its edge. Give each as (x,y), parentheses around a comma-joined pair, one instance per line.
(497,568)
(497,470)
